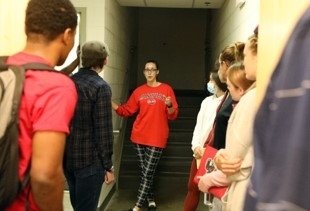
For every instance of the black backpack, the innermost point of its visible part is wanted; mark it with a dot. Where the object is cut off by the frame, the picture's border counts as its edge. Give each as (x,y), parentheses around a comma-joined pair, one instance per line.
(11,87)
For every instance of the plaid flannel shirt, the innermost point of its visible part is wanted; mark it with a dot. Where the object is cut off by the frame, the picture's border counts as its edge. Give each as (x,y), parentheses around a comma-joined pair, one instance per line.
(91,135)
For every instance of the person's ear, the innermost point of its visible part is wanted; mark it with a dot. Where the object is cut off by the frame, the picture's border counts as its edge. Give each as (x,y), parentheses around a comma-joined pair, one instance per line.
(68,36)
(241,91)
(157,72)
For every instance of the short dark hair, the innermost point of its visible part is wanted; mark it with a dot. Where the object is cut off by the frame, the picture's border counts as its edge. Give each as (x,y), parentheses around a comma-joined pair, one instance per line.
(215,76)
(93,54)
(153,61)
(50,18)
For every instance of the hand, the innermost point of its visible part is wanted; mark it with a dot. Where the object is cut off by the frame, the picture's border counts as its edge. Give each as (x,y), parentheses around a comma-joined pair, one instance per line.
(114,105)
(198,152)
(202,185)
(109,177)
(168,101)
(227,164)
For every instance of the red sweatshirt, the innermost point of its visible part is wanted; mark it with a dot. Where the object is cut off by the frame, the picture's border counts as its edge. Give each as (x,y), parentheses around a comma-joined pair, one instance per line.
(151,125)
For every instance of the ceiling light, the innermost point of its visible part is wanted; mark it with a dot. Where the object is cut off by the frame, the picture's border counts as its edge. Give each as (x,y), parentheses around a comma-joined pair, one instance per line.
(207,3)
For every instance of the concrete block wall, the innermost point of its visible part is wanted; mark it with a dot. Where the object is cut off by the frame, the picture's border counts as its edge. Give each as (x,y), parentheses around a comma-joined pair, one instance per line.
(12,35)
(120,36)
(232,23)
(114,25)
(95,18)
(106,21)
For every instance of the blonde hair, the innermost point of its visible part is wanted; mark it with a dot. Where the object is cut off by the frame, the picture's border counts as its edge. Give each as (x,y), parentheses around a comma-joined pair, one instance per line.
(232,53)
(253,39)
(236,76)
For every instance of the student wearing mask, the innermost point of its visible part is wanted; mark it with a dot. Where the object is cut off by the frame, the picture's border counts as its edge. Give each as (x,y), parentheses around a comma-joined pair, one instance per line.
(238,85)
(204,124)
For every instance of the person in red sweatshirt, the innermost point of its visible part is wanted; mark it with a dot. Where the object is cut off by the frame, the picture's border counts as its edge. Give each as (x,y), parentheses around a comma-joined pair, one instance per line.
(156,104)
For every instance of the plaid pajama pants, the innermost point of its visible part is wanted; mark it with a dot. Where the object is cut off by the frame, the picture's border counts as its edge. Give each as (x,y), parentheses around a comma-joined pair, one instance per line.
(148,159)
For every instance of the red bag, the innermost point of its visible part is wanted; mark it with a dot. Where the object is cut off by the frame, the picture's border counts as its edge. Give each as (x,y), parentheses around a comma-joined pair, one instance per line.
(207,166)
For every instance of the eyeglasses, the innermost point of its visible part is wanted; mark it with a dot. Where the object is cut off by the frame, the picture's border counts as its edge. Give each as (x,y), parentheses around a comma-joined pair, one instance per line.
(150,70)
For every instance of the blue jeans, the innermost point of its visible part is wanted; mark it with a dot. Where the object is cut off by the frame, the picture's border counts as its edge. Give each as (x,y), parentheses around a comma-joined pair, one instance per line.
(85,187)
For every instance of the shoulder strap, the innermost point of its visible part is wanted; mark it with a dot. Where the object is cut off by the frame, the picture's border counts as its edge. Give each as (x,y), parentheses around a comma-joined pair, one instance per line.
(3,65)
(222,102)
(27,66)
(38,66)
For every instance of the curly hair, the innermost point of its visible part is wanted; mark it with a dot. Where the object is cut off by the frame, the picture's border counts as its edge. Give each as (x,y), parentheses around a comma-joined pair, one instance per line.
(49,17)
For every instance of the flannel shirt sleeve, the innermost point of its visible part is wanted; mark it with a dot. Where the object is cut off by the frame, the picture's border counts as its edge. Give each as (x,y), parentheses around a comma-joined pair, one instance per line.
(103,125)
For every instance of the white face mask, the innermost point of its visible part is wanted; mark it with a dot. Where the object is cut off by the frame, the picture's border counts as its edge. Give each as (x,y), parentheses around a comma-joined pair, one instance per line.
(211,87)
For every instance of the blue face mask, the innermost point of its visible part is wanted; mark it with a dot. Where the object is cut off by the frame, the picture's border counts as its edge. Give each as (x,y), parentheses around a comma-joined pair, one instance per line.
(211,87)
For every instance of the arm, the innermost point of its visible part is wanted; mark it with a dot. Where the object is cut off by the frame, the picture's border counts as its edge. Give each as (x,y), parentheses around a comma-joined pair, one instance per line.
(102,116)
(47,178)
(172,105)
(227,164)
(109,177)
(197,134)
(240,134)
(114,105)
(204,123)
(169,105)
(127,109)
(198,152)
(50,125)
(214,178)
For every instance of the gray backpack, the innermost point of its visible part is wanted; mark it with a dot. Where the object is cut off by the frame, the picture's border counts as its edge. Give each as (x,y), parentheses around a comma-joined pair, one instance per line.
(11,87)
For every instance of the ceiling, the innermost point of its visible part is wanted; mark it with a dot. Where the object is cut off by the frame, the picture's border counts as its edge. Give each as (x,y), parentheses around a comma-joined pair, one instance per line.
(195,4)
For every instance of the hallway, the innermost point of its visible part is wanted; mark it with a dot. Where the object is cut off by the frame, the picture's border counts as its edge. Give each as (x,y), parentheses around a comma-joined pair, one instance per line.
(167,198)
(170,181)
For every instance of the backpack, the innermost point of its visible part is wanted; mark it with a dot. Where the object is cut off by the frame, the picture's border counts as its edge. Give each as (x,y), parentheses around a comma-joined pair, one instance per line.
(11,87)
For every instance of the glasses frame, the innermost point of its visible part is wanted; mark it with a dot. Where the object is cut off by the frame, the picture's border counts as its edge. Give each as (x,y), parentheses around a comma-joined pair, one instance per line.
(150,70)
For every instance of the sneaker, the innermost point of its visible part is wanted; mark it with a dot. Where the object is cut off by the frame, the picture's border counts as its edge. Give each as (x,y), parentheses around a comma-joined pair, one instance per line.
(131,209)
(152,206)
